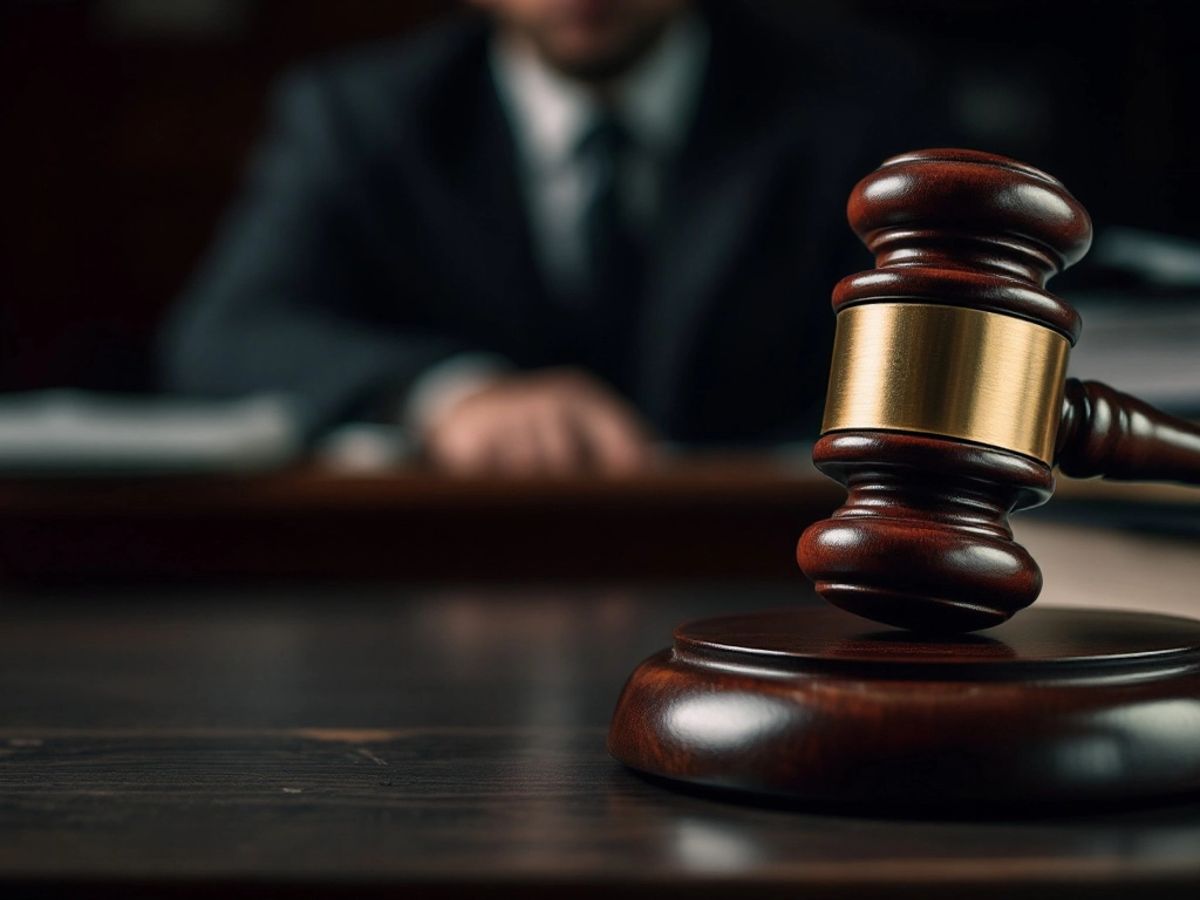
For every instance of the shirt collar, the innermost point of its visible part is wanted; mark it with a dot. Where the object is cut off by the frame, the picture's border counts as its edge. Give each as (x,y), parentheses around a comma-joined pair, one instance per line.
(656,99)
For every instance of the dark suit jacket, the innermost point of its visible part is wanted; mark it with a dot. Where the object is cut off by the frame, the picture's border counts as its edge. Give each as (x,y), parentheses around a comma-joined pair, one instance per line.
(383,230)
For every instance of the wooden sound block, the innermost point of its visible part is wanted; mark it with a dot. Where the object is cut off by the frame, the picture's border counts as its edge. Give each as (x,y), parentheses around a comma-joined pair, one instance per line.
(817,705)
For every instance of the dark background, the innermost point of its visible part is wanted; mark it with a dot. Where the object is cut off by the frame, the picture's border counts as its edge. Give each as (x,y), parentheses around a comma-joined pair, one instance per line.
(125,129)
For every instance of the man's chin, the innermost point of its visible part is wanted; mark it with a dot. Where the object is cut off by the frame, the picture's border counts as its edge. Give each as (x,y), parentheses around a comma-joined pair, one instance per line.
(599,65)
(590,70)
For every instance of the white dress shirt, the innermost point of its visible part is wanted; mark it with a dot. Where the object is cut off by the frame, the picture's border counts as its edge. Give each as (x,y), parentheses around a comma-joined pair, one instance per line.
(549,114)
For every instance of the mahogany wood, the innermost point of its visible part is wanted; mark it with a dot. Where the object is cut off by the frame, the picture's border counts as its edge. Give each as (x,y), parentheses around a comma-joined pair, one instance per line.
(326,740)
(698,517)
(1105,432)
(923,539)
(1057,708)
(1052,710)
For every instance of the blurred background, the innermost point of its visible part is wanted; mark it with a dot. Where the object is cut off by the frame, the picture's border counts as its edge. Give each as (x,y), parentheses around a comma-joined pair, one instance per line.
(201,605)
(127,124)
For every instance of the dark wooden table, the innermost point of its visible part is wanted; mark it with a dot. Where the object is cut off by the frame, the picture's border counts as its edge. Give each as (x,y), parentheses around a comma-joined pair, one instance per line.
(695,518)
(362,739)
(699,517)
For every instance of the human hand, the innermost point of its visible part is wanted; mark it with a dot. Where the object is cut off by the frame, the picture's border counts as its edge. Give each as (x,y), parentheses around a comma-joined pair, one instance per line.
(552,422)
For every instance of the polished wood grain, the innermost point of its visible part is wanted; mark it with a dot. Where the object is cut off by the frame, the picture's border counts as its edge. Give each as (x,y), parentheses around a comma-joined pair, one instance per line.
(1060,708)
(705,517)
(923,540)
(1109,433)
(697,517)
(371,740)
(1055,708)
(967,228)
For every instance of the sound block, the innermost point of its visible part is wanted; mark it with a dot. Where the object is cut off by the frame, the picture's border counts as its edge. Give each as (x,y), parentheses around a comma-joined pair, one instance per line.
(816,705)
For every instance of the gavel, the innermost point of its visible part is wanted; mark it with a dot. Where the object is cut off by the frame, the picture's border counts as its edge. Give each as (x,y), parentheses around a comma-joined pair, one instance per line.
(948,409)
(948,404)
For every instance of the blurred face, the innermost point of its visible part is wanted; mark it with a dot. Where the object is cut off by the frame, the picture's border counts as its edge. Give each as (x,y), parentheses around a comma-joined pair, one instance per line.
(591,40)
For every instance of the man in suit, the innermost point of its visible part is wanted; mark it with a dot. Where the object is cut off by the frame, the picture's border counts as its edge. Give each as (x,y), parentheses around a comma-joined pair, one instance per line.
(550,236)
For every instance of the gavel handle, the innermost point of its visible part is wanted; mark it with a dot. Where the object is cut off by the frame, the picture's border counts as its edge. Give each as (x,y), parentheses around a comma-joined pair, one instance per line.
(1104,432)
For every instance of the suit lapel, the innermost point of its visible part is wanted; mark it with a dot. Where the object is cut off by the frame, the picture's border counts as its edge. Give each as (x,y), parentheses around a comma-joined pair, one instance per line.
(706,230)
(479,204)
(721,185)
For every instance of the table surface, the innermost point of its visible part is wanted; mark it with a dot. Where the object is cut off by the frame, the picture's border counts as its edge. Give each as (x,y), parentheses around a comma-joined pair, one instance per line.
(699,517)
(357,739)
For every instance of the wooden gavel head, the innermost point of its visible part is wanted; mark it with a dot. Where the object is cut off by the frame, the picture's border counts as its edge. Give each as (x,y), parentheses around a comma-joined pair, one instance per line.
(948,405)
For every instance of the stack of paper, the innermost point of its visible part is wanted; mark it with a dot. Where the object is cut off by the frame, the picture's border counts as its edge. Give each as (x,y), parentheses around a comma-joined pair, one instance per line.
(72,431)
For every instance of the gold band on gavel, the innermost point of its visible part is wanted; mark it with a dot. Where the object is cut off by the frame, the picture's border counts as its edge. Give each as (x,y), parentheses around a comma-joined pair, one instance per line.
(950,371)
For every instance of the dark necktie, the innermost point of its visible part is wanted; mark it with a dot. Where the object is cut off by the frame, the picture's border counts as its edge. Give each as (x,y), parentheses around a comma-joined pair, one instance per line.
(614,255)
